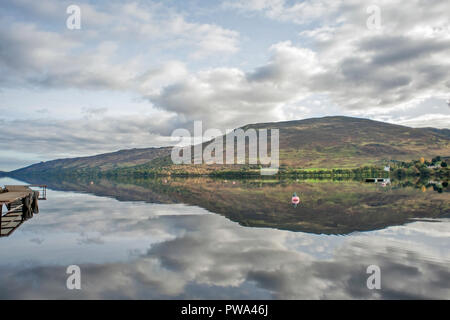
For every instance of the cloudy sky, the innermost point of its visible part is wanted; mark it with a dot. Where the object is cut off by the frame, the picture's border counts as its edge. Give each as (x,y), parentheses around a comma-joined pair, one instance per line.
(136,71)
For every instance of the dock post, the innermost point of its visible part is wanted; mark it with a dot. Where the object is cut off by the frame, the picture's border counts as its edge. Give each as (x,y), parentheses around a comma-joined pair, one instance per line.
(26,209)
(35,204)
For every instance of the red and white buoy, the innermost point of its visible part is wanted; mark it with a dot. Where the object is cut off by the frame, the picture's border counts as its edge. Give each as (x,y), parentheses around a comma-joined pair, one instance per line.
(295,199)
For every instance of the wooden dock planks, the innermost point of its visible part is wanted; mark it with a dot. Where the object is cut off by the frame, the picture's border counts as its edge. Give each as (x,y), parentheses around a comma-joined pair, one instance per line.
(14,193)
(11,221)
(8,197)
(21,203)
(16,199)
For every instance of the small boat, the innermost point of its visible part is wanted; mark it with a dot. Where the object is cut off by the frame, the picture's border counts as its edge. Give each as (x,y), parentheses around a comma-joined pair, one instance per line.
(295,199)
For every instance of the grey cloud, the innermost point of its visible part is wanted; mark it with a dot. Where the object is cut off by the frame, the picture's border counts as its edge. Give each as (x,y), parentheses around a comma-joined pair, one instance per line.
(229,97)
(385,71)
(33,55)
(436,120)
(362,69)
(397,49)
(87,136)
(10,162)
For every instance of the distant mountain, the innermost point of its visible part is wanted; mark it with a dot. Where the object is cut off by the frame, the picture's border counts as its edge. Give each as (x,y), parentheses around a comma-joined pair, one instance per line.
(312,143)
(101,162)
(340,142)
(348,142)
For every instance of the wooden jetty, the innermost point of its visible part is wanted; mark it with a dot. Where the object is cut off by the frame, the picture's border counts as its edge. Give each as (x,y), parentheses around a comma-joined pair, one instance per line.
(21,203)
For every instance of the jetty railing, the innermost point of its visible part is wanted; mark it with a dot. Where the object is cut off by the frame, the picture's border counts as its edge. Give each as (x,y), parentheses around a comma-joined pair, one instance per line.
(42,190)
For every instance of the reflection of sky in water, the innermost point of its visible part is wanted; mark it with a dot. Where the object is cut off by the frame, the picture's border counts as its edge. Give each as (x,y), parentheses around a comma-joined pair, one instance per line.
(141,250)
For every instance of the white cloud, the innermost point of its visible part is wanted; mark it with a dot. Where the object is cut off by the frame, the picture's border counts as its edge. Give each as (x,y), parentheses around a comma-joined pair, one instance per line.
(357,69)
(93,134)
(228,97)
(103,54)
(437,120)
(298,12)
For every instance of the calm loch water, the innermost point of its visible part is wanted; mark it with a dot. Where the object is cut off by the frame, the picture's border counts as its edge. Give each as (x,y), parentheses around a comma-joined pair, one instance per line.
(219,239)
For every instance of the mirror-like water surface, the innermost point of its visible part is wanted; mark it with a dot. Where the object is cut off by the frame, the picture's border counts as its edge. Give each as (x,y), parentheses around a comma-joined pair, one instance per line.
(219,239)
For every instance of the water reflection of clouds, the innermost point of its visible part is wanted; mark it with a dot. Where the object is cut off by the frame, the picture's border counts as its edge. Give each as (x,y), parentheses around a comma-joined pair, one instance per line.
(138,250)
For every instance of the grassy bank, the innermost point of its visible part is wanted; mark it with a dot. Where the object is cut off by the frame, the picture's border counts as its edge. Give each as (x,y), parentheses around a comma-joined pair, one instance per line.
(336,173)
(399,169)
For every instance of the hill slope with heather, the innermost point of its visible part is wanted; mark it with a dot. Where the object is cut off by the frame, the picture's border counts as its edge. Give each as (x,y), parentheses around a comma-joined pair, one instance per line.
(335,142)
(329,142)
(349,142)
(101,162)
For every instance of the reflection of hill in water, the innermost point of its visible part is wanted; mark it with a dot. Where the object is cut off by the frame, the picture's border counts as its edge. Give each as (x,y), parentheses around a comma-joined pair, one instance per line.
(330,207)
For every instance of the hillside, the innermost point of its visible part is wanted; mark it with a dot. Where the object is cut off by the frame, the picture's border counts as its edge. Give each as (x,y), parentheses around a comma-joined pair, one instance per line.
(101,162)
(336,142)
(349,142)
(327,142)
